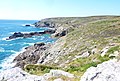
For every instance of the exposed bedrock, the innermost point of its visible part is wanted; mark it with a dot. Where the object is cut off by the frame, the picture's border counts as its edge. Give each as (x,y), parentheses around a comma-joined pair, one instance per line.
(26,35)
(31,55)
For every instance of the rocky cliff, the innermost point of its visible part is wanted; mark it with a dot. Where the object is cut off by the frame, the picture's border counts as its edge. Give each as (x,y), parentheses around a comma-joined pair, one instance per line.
(83,42)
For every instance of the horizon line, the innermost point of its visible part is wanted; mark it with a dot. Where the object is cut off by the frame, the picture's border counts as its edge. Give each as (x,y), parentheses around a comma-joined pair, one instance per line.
(61,17)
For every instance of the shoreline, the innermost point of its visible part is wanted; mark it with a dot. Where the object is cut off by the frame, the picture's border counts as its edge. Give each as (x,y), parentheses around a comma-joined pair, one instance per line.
(8,61)
(83,45)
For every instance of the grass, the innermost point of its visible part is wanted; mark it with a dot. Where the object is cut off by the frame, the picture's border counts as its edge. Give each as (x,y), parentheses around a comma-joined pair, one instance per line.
(76,67)
(113,49)
(80,65)
(97,33)
(38,69)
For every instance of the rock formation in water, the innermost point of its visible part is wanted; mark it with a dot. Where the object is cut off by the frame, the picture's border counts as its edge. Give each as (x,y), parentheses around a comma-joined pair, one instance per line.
(26,35)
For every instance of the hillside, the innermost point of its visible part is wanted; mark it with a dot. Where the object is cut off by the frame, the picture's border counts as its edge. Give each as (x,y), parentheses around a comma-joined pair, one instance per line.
(90,41)
(82,42)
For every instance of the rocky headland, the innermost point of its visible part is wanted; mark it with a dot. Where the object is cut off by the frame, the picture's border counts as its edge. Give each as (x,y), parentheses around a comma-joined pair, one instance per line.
(26,35)
(87,49)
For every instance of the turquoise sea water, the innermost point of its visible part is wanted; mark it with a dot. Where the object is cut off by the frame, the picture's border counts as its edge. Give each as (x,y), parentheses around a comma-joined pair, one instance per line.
(11,48)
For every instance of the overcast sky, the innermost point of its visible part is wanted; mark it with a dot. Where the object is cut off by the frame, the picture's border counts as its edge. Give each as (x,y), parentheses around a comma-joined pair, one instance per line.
(39,9)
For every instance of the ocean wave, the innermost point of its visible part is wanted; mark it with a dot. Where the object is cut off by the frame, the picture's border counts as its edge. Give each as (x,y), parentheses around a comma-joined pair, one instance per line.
(2,49)
(11,51)
(42,38)
(14,39)
(4,38)
(7,63)
(29,43)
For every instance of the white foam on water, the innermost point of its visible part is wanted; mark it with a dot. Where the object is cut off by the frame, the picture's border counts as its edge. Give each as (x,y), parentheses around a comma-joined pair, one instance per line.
(5,38)
(10,51)
(2,49)
(11,32)
(25,32)
(14,39)
(7,63)
(30,43)
(42,37)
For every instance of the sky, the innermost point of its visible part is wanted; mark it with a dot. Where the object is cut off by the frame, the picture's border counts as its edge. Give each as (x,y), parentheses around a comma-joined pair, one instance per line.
(40,9)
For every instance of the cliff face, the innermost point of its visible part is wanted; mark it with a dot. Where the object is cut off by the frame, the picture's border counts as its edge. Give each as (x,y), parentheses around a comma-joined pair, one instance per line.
(83,42)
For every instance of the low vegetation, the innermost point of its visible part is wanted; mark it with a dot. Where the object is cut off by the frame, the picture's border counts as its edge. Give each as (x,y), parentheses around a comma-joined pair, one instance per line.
(80,65)
(38,69)
(89,33)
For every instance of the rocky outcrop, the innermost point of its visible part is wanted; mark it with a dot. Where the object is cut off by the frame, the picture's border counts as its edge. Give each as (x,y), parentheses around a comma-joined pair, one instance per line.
(31,54)
(58,73)
(107,71)
(53,52)
(61,28)
(17,74)
(45,24)
(26,35)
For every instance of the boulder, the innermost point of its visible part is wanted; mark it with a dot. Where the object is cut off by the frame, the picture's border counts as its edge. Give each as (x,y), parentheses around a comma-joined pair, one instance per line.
(107,71)
(57,73)
(27,25)
(17,74)
(15,35)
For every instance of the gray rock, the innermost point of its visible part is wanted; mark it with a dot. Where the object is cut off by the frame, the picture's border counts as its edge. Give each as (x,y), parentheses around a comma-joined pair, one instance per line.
(107,71)
(31,55)
(52,53)
(26,35)
(57,73)
(17,74)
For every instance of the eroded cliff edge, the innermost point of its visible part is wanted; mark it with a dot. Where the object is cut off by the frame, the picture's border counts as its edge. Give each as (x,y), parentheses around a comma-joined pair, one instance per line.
(82,42)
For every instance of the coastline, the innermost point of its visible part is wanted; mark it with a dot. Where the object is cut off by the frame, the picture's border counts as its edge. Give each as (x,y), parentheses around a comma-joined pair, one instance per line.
(81,44)
(8,62)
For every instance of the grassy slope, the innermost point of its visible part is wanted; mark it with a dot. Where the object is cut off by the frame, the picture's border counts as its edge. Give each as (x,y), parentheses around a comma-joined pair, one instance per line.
(91,33)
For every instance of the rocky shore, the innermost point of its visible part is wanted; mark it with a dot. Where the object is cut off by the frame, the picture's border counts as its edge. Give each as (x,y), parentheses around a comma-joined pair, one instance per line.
(26,35)
(83,45)
(31,55)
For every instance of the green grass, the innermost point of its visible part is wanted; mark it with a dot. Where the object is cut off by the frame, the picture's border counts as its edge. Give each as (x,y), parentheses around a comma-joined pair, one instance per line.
(80,65)
(77,67)
(38,69)
(113,49)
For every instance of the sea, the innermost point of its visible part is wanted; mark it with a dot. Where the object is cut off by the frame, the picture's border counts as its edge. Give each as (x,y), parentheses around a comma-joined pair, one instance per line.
(9,49)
